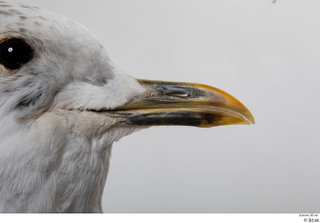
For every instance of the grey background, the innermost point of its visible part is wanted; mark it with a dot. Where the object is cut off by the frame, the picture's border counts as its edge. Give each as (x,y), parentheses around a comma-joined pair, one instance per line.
(266,55)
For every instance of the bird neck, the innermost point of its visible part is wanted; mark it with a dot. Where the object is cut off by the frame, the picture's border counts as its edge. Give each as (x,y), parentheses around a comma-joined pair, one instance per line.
(54,185)
(56,163)
(52,167)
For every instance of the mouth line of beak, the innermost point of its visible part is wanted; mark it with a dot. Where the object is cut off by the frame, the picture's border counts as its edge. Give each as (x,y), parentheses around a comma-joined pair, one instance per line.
(188,104)
(187,116)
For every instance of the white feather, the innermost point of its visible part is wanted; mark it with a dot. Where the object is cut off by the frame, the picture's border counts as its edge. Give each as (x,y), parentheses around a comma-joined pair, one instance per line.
(54,157)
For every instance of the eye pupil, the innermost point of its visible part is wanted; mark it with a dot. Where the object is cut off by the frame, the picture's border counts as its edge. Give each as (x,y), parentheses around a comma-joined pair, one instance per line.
(14,53)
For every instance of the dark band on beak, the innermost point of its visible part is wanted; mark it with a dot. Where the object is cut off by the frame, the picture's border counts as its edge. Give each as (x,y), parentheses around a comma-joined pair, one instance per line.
(188,104)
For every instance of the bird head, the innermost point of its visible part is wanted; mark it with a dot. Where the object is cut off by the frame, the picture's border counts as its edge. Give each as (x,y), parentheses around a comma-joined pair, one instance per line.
(63,98)
(49,62)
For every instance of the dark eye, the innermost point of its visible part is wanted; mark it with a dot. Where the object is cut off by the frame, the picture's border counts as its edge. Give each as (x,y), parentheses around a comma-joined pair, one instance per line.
(14,53)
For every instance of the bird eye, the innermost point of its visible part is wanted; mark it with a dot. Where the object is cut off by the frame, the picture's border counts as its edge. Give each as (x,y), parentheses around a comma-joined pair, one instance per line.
(14,53)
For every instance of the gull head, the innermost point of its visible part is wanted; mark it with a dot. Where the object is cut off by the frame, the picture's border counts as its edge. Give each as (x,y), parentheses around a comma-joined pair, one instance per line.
(65,66)
(64,101)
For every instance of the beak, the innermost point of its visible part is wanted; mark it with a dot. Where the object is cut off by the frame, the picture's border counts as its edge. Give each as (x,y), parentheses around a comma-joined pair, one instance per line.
(188,104)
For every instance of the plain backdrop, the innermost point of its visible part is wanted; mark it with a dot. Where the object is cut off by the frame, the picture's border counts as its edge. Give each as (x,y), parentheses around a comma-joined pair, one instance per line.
(266,53)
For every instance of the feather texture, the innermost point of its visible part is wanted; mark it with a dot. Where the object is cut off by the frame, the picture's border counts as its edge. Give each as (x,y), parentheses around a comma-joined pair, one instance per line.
(54,154)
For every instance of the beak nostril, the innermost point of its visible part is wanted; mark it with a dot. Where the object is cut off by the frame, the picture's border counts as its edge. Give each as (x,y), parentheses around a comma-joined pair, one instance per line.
(185,95)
